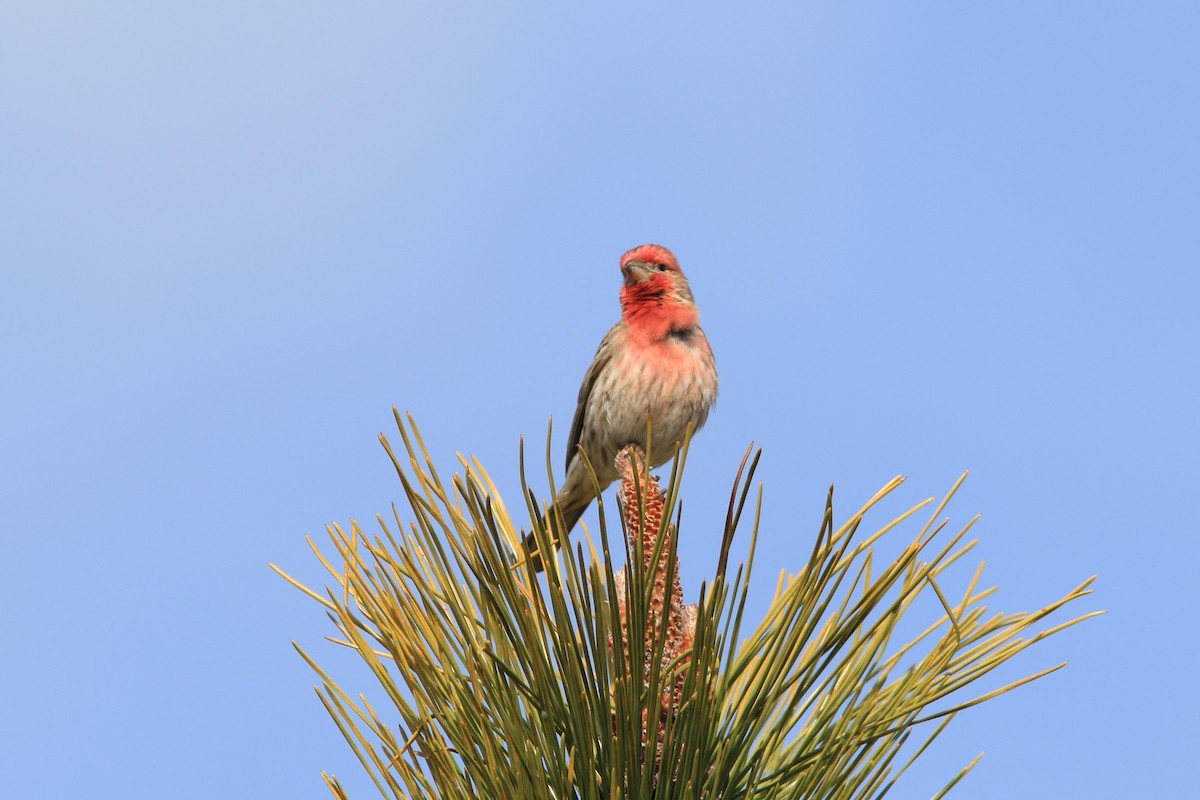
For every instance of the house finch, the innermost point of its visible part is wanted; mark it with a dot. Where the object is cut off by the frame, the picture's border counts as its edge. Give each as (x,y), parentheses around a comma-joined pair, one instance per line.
(656,363)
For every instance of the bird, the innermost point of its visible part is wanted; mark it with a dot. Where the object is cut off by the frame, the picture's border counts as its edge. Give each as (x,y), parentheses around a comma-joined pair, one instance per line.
(655,363)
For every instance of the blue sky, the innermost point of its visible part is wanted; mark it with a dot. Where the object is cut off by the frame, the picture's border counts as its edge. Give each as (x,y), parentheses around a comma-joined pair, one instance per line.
(923,239)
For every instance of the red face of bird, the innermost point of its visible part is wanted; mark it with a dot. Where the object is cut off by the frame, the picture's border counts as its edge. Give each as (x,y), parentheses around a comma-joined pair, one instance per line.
(651,270)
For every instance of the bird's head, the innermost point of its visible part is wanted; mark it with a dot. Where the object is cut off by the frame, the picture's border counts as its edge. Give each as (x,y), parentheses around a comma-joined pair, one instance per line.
(652,273)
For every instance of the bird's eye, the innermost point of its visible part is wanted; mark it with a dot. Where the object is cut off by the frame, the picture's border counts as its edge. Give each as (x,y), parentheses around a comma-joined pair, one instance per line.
(662,267)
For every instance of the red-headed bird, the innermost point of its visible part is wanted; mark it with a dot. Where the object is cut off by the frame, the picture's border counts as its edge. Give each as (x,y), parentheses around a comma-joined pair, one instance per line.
(655,361)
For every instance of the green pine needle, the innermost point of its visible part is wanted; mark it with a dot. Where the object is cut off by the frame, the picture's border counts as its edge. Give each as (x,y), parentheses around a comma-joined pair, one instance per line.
(495,682)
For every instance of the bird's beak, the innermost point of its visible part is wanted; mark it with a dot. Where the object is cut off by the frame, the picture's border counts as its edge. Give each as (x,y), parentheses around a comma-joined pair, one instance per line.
(636,271)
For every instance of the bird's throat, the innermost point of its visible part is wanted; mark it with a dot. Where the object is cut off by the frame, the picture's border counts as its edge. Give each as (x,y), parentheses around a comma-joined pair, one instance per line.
(655,317)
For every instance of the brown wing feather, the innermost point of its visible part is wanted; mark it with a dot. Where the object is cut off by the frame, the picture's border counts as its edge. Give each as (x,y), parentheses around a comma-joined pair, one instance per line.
(601,359)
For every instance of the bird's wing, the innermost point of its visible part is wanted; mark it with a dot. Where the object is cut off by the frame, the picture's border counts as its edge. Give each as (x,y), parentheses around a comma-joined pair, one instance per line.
(599,362)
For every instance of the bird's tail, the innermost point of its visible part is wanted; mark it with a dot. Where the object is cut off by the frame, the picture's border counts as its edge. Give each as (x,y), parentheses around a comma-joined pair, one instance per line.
(572,507)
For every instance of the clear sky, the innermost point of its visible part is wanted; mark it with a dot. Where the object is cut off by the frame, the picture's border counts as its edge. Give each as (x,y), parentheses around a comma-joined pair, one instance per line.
(924,239)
